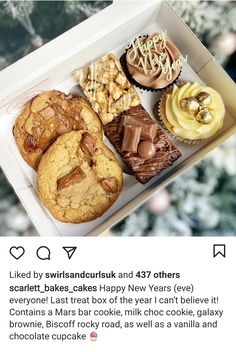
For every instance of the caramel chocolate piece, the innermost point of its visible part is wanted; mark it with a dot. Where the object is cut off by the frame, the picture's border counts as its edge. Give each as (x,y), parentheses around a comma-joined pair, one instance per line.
(146,150)
(149,132)
(149,128)
(143,169)
(30,144)
(75,176)
(109,184)
(131,138)
(88,160)
(88,144)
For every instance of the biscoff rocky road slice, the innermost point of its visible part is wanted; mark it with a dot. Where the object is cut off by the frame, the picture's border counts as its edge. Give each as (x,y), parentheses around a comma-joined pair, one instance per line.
(107,88)
(79,178)
(47,116)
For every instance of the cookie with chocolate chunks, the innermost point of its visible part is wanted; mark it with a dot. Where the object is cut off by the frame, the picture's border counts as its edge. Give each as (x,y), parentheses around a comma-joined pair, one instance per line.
(46,117)
(79,178)
(142,143)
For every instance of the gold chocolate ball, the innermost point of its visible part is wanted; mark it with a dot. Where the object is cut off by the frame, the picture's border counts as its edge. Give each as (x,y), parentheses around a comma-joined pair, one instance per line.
(190,105)
(204,116)
(204,99)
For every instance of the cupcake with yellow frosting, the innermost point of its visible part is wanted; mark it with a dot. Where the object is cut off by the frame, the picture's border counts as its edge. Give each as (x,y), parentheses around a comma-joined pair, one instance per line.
(192,112)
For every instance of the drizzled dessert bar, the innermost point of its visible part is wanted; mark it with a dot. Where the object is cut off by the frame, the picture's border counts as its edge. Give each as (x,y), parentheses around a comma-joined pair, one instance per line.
(107,88)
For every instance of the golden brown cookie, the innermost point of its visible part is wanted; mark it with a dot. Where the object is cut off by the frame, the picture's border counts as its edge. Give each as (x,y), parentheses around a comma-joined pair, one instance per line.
(47,116)
(79,178)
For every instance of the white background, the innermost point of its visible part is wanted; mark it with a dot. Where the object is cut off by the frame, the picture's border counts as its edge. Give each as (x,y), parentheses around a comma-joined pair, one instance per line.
(192,257)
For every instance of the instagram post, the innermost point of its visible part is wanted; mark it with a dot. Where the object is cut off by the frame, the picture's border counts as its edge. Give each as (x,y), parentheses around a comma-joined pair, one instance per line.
(117,175)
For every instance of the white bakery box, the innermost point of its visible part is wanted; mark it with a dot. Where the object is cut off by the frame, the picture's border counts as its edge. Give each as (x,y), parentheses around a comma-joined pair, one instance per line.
(51,67)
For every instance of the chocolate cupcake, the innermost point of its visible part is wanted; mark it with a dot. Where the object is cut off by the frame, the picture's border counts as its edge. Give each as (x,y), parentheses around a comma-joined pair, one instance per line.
(153,62)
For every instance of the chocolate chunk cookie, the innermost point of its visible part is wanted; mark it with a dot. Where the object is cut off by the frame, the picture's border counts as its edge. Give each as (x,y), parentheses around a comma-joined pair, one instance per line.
(79,178)
(46,117)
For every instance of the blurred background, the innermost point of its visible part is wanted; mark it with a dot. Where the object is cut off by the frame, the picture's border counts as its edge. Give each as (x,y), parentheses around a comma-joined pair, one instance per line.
(201,202)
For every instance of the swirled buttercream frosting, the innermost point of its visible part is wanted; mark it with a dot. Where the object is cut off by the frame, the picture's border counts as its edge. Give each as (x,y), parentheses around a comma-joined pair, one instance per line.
(192,111)
(154,61)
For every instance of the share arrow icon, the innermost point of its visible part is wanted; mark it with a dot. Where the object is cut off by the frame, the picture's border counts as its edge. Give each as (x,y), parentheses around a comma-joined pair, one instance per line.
(70,251)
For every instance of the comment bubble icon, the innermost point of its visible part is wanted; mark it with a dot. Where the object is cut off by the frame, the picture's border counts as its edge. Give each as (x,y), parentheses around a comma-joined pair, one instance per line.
(43,253)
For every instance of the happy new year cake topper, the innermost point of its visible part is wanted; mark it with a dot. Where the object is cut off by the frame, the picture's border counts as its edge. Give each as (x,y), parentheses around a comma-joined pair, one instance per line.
(154,61)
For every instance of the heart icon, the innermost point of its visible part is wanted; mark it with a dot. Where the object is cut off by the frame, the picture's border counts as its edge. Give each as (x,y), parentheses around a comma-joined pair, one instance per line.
(17,252)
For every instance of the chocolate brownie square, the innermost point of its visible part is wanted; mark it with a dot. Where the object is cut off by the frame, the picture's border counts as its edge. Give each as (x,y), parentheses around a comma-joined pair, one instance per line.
(142,143)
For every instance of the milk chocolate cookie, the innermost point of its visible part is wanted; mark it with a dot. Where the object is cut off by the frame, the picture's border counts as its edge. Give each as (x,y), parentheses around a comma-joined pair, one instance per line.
(79,178)
(46,117)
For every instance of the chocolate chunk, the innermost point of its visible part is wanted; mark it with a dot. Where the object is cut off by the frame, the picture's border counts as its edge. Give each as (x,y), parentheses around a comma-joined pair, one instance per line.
(121,125)
(149,128)
(88,160)
(128,120)
(88,144)
(149,132)
(131,138)
(75,176)
(30,144)
(109,184)
(146,150)
(166,152)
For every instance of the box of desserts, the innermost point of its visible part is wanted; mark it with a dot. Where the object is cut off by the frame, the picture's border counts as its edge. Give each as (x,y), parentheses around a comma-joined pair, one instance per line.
(98,119)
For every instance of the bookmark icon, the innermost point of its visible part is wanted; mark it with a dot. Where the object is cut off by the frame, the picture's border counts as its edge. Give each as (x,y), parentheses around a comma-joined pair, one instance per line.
(70,251)
(219,249)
